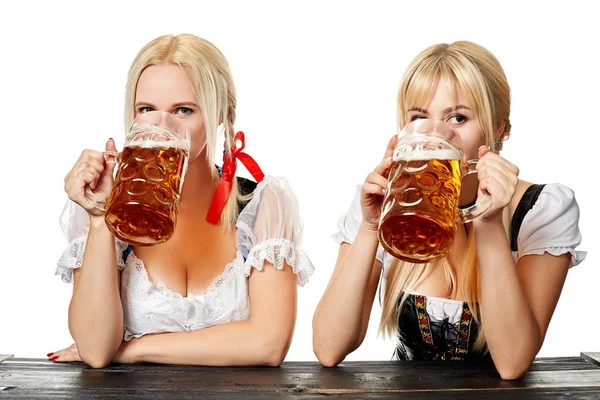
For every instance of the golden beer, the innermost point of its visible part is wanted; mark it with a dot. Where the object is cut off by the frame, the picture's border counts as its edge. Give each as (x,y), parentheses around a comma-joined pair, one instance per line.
(142,208)
(420,209)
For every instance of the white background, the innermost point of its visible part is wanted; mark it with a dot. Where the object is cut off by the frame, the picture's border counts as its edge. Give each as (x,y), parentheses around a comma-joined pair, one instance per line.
(316,98)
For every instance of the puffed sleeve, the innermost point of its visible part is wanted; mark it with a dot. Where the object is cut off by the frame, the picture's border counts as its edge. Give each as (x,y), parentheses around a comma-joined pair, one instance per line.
(75,224)
(552,225)
(349,223)
(269,228)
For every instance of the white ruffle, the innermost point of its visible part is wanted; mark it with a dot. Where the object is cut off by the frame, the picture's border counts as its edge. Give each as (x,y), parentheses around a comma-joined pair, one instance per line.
(278,251)
(72,258)
(339,238)
(440,308)
(576,255)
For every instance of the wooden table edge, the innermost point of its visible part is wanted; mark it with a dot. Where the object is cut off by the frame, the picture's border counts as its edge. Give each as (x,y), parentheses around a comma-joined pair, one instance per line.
(590,356)
(4,357)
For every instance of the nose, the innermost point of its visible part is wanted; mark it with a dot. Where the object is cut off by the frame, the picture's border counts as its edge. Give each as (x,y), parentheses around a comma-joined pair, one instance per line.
(164,119)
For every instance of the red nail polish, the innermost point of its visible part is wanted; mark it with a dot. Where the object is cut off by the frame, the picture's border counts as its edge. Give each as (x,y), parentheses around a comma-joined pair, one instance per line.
(49,354)
(55,358)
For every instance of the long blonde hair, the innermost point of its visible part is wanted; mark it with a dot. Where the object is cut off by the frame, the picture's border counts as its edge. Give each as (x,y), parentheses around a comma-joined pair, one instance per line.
(473,71)
(213,84)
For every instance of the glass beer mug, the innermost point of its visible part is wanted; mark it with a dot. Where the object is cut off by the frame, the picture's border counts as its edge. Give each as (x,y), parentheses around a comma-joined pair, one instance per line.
(420,210)
(142,207)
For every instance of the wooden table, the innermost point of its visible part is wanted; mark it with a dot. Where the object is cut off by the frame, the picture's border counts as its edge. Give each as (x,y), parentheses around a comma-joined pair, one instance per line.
(573,377)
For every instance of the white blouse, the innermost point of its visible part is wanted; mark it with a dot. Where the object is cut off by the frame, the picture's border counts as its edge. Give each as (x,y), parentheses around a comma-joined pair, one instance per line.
(551,226)
(268,229)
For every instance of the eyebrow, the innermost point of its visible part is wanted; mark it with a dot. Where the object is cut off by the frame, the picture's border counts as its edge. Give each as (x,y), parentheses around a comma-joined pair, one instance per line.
(185,104)
(143,103)
(176,105)
(444,111)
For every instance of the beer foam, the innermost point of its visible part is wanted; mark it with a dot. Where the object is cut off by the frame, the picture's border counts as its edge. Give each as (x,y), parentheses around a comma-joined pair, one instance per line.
(148,143)
(420,154)
(155,136)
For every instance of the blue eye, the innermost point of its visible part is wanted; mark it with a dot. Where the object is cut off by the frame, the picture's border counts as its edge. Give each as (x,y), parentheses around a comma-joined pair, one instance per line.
(184,111)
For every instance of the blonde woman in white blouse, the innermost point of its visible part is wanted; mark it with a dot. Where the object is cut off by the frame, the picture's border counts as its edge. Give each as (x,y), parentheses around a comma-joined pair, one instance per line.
(493,296)
(219,294)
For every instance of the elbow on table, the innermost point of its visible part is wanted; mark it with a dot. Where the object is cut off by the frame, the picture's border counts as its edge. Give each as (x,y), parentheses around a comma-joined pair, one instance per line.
(513,372)
(96,355)
(275,358)
(326,356)
(329,350)
(328,360)
(273,350)
(95,359)
(513,367)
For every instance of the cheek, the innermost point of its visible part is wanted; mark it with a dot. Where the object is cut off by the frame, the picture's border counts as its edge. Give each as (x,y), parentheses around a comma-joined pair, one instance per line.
(197,136)
(472,139)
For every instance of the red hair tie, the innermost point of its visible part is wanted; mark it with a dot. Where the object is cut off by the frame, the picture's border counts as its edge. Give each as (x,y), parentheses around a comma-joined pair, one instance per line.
(228,175)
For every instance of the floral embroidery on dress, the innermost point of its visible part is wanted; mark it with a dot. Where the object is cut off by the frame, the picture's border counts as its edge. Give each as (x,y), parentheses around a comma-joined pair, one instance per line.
(423,318)
(464,332)
(444,350)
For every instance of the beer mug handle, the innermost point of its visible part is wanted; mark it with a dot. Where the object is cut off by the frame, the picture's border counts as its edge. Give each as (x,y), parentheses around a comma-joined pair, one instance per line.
(111,158)
(475,211)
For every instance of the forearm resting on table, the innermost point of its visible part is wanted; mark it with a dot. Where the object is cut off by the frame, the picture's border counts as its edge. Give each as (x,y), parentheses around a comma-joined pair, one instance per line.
(339,321)
(512,332)
(240,343)
(95,311)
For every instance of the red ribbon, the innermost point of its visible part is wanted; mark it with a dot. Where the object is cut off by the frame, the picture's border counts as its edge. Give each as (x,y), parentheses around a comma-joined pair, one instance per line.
(228,175)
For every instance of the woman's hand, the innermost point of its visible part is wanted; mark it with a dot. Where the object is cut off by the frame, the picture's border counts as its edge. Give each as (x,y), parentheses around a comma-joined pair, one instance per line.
(375,187)
(91,170)
(125,355)
(499,179)
(70,354)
